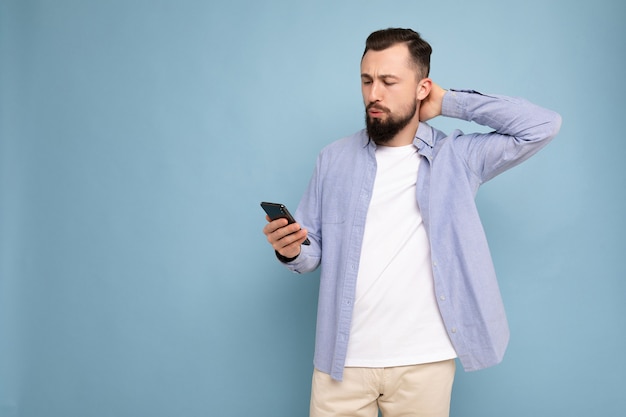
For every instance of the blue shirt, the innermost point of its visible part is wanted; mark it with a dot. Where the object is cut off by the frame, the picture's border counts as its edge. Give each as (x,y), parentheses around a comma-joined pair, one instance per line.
(334,208)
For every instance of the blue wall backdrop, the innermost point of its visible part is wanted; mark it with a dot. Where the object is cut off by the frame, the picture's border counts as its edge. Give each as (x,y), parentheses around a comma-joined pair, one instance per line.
(138,137)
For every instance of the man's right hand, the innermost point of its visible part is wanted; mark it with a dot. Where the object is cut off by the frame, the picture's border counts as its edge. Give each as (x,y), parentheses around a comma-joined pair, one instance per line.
(430,107)
(284,238)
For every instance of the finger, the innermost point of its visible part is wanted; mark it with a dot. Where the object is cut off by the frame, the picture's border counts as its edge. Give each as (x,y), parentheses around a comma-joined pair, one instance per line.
(276,231)
(290,245)
(286,236)
(273,225)
(285,231)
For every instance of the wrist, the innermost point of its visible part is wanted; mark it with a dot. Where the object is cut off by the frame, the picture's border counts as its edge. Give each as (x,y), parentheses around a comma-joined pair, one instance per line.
(285,259)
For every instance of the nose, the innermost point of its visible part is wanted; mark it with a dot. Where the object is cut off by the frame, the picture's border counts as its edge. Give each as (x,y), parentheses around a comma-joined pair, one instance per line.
(373,92)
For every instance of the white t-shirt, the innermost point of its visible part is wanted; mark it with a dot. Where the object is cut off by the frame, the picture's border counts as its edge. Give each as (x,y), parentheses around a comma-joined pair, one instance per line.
(396,320)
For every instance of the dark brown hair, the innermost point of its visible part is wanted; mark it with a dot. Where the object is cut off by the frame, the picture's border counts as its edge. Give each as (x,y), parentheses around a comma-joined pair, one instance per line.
(419,49)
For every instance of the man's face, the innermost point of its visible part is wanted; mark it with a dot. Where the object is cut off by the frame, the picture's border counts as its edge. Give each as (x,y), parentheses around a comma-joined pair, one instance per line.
(389,85)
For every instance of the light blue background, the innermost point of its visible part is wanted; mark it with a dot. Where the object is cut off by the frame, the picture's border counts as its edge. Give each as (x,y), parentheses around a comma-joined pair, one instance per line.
(137,139)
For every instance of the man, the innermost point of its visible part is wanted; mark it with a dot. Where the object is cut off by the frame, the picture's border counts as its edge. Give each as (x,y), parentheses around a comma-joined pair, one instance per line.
(407,282)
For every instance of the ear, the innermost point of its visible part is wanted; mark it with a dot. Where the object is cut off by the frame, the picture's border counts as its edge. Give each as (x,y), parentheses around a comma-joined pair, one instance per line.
(423,88)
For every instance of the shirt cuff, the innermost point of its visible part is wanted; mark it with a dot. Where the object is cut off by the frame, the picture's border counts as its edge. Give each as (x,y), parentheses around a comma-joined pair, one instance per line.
(453,104)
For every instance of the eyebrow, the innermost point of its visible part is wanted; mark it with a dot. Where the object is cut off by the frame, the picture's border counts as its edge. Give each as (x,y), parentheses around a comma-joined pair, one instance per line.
(382,76)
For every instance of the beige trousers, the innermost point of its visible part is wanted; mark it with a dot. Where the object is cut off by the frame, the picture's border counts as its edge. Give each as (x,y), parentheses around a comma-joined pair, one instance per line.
(408,391)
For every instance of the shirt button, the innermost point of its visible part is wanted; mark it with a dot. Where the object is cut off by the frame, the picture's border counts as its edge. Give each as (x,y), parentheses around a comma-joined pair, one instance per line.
(434,263)
(453,330)
(442,297)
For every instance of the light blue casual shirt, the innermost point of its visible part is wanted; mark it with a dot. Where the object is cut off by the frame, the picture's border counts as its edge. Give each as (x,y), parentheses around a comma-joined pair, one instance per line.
(334,208)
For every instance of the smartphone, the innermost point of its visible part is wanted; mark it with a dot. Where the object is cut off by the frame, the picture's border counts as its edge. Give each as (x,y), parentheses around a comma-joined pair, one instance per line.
(279,211)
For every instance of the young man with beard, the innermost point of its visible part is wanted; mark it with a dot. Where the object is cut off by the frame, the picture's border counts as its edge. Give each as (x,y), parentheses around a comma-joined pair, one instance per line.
(407,281)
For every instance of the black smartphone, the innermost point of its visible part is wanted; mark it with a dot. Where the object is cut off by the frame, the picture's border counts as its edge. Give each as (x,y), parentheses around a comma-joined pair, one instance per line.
(279,211)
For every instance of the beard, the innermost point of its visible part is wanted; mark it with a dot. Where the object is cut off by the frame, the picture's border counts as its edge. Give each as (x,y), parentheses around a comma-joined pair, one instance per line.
(383,131)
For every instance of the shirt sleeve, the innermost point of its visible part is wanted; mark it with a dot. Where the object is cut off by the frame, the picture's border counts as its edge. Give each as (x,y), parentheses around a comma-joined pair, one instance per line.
(521,129)
(307,214)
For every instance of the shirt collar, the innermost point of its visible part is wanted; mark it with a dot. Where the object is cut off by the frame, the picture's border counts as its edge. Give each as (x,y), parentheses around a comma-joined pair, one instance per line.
(424,136)
(424,140)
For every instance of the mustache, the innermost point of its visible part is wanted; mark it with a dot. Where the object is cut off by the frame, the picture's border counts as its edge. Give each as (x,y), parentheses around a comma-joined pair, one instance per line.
(377,107)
